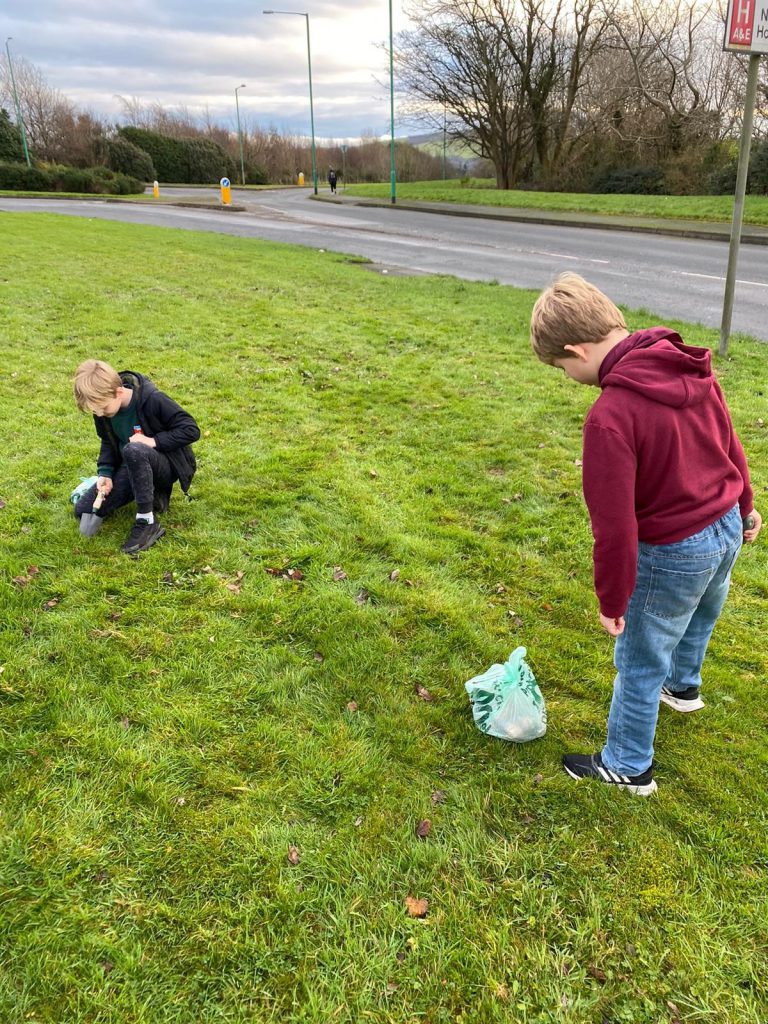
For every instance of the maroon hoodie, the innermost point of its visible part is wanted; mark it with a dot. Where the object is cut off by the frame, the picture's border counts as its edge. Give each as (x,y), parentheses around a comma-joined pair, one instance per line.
(661,458)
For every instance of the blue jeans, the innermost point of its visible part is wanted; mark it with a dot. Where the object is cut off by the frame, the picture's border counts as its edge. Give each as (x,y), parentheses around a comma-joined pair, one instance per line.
(678,596)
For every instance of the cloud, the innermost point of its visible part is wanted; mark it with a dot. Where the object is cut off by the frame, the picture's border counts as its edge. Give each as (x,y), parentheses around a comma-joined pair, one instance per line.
(194,53)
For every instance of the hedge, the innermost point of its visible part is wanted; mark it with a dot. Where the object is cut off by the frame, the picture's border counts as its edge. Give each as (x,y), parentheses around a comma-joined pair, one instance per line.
(91,180)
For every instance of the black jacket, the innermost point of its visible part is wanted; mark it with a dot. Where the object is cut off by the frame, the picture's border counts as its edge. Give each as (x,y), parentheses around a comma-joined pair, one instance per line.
(173,429)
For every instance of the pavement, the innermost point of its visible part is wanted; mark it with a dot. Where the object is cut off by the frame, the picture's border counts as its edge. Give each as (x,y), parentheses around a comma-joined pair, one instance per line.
(710,230)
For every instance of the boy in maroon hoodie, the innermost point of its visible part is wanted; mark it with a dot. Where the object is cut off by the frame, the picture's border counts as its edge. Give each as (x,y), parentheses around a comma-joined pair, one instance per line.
(667,487)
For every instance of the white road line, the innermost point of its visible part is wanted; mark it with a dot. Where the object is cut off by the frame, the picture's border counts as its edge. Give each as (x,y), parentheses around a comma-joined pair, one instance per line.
(715,277)
(562,256)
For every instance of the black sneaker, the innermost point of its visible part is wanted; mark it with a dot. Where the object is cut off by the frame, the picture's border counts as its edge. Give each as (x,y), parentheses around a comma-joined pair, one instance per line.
(590,766)
(142,536)
(682,700)
(160,502)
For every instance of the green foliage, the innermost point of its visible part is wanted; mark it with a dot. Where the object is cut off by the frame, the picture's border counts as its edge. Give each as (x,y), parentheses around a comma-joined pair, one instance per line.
(11,149)
(89,180)
(255,175)
(127,158)
(638,181)
(194,161)
(168,727)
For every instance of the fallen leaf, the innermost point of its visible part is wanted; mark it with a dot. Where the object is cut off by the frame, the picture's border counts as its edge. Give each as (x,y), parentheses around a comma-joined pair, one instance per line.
(293,855)
(501,992)
(362,597)
(107,967)
(424,694)
(318,656)
(416,908)
(409,583)
(336,780)
(49,605)
(438,796)
(541,446)
(547,606)
(358,822)
(338,574)
(423,828)
(180,801)
(22,581)
(168,577)
(517,497)
(577,462)
(234,588)
(33,570)
(501,589)
(2,503)
(125,722)
(596,973)
(538,779)
(394,575)
(352,706)
(506,501)
(372,472)
(392,986)
(294,574)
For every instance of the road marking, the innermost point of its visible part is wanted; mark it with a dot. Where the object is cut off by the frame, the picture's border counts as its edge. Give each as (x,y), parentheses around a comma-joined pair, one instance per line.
(715,277)
(562,256)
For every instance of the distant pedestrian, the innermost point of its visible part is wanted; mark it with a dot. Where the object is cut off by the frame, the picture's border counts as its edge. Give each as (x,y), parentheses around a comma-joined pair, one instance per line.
(332,180)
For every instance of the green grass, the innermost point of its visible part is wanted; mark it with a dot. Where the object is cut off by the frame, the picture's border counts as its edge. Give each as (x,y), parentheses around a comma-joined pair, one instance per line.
(481,192)
(165,738)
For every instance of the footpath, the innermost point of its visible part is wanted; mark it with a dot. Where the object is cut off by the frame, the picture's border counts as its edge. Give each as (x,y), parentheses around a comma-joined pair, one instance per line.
(711,230)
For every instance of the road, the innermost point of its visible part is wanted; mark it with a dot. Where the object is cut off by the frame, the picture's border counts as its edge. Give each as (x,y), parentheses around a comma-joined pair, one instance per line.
(671,277)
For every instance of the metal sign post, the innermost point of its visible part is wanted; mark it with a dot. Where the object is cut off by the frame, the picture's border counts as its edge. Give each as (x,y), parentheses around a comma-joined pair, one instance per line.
(746,31)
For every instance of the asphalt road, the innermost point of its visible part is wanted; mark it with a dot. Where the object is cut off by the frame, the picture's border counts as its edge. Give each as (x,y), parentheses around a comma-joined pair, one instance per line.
(670,277)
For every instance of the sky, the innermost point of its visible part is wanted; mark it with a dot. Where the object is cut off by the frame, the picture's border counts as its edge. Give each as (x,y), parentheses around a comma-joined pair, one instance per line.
(193,53)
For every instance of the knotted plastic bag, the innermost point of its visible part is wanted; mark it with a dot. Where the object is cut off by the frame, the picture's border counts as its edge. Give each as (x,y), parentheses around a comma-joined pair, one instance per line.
(86,482)
(507,702)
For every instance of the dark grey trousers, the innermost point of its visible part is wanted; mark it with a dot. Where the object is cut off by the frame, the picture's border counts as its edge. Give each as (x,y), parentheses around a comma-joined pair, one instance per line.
(144,474)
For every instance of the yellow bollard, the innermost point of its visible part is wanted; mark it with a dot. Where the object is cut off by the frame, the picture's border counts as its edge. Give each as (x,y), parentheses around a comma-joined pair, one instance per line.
(155,190)
(226,192)
(301,177)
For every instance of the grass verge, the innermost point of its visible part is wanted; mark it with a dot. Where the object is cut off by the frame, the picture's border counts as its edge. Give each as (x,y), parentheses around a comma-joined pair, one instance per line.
(171,726)
(481,192)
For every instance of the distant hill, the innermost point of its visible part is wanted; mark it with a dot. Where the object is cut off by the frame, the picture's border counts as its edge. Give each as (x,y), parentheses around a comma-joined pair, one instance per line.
(432,142)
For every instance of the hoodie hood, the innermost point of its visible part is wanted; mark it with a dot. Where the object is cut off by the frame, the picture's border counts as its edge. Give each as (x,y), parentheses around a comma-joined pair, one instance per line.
(141,386)
(655,363)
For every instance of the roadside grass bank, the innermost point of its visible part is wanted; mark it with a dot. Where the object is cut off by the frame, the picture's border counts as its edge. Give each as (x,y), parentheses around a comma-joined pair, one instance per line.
(170,727)
(481,192)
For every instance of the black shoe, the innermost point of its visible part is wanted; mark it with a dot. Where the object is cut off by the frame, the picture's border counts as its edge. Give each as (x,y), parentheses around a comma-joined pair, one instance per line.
(590,766)
(682,700)
(160,502)
(142,536)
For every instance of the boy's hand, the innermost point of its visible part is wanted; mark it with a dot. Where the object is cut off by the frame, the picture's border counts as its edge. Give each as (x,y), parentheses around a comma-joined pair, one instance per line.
(613,626)
(750,535)
(142,439)
(104,484)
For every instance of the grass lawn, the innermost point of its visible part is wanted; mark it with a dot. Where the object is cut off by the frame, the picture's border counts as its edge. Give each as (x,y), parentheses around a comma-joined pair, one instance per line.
(171,726)
(481,192)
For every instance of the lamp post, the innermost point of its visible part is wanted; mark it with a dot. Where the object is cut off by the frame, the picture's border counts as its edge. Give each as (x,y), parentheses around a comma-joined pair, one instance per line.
(392,177)
(302,14)
(240,134)
(19,118)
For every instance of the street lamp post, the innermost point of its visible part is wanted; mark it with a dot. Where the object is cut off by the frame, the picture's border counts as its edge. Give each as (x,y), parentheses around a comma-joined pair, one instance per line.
(240,134)
(302,14)
(392,176)
(19,118)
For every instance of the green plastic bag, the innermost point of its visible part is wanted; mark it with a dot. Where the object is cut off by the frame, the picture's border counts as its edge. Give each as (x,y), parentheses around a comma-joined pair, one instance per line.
(86,482)
(507,702)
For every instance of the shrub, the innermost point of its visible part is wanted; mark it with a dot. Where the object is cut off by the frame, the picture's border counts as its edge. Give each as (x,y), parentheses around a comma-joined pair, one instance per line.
(10,143)
(128,158)
(255,175)
(189,161)
(630,181)
(22,178)
(90,180)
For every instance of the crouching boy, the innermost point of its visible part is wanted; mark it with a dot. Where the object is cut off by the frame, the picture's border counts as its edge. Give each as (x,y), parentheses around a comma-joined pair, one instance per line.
(145,447)
(667,487)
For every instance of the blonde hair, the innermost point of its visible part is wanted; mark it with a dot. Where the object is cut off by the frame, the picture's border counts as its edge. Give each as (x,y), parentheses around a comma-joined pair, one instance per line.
(95,382)
(571,312)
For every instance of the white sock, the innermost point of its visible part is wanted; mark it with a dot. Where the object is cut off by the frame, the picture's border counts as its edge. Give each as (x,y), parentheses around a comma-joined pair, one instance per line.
(147,517)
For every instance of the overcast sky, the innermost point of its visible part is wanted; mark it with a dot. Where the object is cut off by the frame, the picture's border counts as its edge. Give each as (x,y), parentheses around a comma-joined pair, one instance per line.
(194,52)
